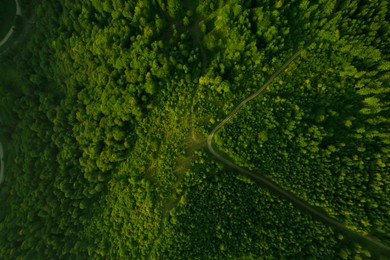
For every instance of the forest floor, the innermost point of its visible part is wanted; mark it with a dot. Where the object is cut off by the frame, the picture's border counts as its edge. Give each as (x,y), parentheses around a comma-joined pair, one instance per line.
(264,181)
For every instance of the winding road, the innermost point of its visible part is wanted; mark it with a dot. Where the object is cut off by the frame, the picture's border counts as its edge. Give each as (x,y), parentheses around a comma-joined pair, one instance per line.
(28,24)
(317,213)
(11,30)
(2,42)
(370,242)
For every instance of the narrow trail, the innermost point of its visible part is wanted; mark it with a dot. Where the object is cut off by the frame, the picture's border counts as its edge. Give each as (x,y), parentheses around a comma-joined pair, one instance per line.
(170,203)
(195,32)
(369,242)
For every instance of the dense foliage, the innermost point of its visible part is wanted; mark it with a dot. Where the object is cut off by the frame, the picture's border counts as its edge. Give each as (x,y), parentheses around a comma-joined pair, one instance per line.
(224,216)
(322,130)
(105,110)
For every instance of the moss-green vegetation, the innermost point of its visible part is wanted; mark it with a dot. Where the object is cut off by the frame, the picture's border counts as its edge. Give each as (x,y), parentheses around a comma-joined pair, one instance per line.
(106,109)
(322,129)
(220,215)
(7,16)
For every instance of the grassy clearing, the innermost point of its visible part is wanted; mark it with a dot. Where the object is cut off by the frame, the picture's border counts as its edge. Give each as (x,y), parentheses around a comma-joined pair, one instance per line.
(7,16)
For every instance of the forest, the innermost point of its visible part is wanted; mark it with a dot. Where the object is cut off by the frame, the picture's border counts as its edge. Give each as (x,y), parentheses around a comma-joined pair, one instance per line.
(106,106)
